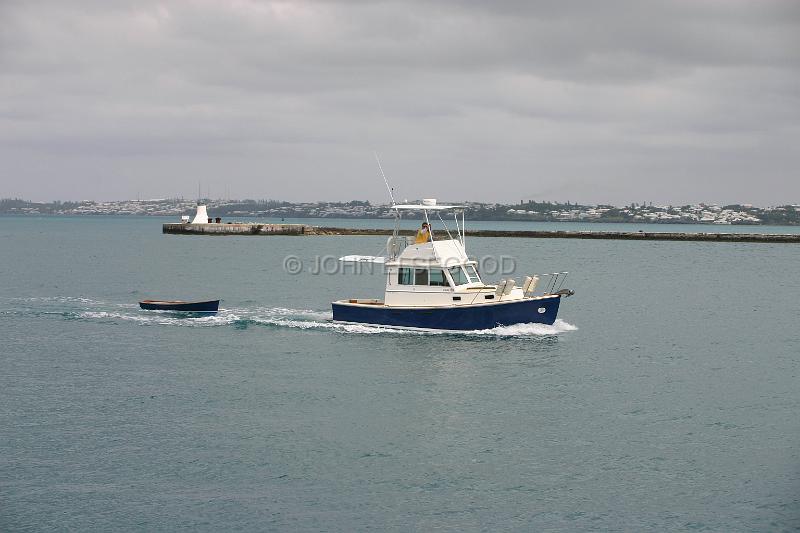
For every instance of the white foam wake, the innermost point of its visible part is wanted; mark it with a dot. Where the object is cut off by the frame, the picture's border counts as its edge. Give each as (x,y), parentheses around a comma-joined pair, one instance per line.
(307,319)
(521,330)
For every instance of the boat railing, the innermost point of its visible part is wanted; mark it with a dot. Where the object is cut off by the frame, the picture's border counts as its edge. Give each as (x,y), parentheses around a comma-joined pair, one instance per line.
(395,245)
(547,284)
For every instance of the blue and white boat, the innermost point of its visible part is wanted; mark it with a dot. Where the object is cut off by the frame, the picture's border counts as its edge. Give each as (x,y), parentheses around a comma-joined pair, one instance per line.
(435,285)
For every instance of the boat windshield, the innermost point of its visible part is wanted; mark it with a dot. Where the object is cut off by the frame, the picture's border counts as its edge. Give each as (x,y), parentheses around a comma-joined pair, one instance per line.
(463,275)
(458,275)
(472,274)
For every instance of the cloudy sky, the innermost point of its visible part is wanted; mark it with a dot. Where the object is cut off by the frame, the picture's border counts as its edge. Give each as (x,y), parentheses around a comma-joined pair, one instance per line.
(621,101)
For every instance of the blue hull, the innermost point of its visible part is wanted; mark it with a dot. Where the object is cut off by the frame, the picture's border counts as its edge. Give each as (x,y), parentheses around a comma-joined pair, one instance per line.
(211,306)
(473,317)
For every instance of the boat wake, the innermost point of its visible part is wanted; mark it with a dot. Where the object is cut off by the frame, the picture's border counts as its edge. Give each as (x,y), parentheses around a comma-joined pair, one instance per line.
(277,317)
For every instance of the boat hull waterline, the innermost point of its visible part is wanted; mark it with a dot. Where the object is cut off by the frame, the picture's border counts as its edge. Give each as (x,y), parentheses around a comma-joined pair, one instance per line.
(210,306)
(541,310)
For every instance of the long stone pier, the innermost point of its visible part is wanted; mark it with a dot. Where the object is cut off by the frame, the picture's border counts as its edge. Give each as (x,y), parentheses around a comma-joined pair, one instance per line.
(236,228)
(303,229)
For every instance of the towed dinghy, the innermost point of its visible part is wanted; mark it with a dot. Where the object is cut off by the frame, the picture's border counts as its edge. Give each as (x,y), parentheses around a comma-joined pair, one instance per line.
(209,306)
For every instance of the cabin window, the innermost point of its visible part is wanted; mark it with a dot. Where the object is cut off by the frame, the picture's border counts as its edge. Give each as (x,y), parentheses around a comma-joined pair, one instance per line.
(459,278)
(404,276)
(472,274)
(437,278)
(422,276)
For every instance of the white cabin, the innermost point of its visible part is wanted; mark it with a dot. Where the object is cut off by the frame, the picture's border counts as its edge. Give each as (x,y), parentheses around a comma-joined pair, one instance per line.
(439,273)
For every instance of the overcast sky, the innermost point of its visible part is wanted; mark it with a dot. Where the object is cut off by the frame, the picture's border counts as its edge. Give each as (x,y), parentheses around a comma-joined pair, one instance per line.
(593,102)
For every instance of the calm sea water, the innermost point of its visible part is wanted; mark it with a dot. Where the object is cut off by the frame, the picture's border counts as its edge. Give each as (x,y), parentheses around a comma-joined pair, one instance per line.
(665,398)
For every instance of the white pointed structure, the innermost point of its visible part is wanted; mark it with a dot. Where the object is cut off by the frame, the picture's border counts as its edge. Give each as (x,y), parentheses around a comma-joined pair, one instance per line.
(202,215)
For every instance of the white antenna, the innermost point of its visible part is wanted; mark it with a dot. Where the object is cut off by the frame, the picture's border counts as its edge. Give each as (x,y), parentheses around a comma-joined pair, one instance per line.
(384,177)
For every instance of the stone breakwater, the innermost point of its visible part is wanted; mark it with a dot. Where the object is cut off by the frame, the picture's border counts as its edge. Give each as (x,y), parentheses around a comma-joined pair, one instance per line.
(237,229)
(303,229)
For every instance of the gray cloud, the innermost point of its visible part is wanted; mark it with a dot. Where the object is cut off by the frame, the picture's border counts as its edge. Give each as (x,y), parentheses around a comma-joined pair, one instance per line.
(585,101)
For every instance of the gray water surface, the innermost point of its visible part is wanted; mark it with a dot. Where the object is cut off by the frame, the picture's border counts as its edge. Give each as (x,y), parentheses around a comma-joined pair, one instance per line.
(665,397)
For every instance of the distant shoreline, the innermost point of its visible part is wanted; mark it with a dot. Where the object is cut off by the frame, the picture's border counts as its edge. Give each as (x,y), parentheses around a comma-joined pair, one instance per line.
(498,219)
(529,211)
